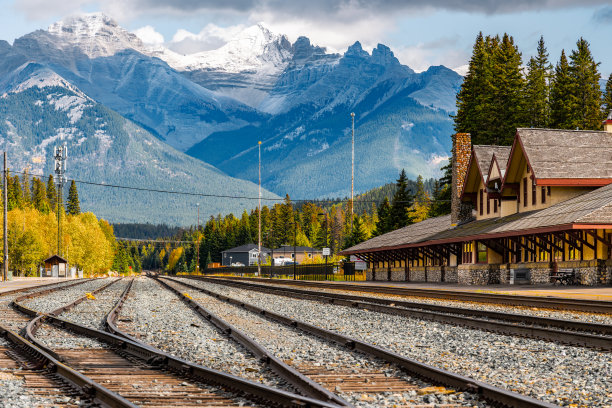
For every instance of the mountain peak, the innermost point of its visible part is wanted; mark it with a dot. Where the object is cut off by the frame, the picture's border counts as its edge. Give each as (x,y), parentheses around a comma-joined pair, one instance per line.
(356,50)
(95,33)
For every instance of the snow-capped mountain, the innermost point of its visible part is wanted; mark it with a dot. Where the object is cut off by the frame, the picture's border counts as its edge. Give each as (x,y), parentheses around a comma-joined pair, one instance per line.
(105,147)
(215,105)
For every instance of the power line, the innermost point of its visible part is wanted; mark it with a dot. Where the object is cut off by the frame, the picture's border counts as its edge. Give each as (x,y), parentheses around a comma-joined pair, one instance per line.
(153,190)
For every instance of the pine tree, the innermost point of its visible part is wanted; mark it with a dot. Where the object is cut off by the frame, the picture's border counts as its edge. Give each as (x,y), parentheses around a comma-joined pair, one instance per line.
(73,206)
(607,97)
(15,195)
(39,196)
(384,221)
(475,91)
(507,94)
(51,194)
(357,234)
(25,188)
(400,214)
(537,88)
(586,92)
(442,193)
(561,95)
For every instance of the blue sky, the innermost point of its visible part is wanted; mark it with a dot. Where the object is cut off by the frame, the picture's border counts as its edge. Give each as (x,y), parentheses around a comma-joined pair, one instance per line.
(421,33)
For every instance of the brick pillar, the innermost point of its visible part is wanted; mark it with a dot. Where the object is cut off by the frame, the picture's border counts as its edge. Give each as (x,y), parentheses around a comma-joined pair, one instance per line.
(461,153)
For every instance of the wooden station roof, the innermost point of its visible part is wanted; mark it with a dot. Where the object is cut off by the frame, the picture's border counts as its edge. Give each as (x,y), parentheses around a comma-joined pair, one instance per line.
(589,211)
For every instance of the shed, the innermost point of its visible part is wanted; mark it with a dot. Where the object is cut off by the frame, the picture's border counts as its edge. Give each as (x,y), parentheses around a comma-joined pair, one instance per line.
(56,266)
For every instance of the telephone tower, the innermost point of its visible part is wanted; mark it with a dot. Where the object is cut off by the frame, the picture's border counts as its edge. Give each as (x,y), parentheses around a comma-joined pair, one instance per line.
(61,153)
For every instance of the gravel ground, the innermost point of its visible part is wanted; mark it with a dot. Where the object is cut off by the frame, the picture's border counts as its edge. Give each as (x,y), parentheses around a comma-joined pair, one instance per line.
(55,338)
(15,395)
(54,300)
(92,312)
(158,317)
(530,311)
(559,374)
(303,350)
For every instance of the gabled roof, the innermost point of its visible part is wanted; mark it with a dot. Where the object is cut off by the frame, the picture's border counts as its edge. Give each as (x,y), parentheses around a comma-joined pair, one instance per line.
(500,160)
(484,156)
(566,157)
(480,165)
(56,257)
(246,248)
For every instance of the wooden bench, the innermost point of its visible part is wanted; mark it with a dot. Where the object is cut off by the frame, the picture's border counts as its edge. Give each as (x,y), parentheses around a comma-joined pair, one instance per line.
(563,276)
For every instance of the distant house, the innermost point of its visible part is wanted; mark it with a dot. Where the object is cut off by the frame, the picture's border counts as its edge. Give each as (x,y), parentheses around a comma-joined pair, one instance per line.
(243,255)
(303,252)
(55,266)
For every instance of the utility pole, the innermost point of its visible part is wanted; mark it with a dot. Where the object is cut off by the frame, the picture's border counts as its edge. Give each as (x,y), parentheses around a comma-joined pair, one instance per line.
(259,217)
(352,164)
(198,238)
(61,153)
(5,221)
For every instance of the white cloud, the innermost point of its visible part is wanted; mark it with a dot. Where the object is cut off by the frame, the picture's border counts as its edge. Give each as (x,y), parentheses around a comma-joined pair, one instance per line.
(210,37)
(421,56)
(148,35)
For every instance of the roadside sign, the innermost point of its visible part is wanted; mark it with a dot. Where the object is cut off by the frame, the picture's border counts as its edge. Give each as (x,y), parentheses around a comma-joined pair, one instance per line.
(326,252)
(359,264)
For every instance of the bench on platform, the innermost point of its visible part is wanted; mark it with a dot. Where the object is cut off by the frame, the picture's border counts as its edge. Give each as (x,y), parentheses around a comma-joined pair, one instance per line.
(564,276)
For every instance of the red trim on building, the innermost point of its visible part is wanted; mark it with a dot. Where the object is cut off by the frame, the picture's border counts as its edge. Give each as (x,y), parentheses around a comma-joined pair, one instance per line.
(573,182)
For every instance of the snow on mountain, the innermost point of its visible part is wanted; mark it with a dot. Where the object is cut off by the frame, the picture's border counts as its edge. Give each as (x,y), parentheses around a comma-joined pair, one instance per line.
(96,34)
(462,69)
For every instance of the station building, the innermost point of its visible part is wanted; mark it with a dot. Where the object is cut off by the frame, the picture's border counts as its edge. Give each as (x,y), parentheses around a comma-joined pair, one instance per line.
(528,213)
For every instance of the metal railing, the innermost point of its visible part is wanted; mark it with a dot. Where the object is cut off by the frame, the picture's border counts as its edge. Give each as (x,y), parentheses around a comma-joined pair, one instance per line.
(338,272)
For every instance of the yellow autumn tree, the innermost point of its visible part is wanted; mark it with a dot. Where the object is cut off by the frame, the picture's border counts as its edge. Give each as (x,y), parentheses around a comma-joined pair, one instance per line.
(174,257)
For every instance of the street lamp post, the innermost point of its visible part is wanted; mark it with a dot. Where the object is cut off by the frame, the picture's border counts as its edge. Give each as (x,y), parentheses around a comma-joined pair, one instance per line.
(259,216)
(198,238)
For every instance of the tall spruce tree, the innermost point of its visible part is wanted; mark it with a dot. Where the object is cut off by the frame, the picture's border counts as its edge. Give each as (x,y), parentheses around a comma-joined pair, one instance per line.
(474,94)
(357,235)
(507,94)
(537,88)
(586,92)
(39,196)
(441,204)
(73,207)
(561,95)
(384,218)
(607,97)
(400,214)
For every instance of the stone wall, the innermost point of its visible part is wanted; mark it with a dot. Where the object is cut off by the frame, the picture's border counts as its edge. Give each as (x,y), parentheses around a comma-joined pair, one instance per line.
(450,274)
(461,153)
(434,273)
(398,274)
(417,274)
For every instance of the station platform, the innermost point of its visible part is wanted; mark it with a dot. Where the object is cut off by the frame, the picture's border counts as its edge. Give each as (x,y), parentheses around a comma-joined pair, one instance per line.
(21,282)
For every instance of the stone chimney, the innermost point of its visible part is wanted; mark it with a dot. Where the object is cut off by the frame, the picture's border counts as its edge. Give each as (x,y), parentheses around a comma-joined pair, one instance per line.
(462,150)
(607,124)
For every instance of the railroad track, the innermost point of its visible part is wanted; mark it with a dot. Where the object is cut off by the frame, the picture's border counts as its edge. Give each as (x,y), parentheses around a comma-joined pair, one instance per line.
(570,332)
(429,373)
(549,302)
(122,373)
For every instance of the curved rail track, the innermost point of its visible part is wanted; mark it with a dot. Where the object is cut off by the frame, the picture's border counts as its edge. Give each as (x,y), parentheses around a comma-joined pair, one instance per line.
(549,302)
(122,373)
(570,332)
(495,395)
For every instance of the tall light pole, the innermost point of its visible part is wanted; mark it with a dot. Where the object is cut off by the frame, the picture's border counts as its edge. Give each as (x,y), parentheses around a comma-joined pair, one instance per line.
(5,221)
(61,153)
(352,163)
(259,216)
(198,238)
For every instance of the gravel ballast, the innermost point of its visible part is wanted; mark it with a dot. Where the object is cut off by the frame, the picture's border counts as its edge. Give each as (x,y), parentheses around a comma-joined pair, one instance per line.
(158,317)
(559,374)
(54,300)
(92,312)
(528,311)
(306,353)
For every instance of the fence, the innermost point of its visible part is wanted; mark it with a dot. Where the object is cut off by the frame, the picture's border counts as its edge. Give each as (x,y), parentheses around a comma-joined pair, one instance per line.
(338,272)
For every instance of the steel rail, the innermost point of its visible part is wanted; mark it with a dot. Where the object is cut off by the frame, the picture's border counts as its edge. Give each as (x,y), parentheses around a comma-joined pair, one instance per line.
(384,306)
(285,371)
(165,361)
(549,302)
(430,373)
(46,285)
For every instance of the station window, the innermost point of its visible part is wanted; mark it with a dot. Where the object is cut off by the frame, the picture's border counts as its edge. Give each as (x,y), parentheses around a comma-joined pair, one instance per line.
(488,204)
(468,250)
(481,203)
(525,192)
(543,195)
(482,253)
(533,192)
